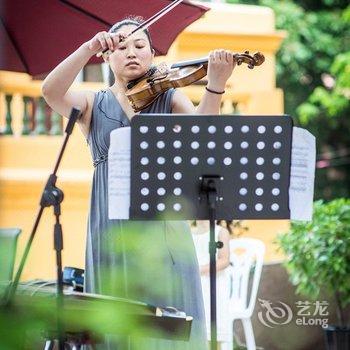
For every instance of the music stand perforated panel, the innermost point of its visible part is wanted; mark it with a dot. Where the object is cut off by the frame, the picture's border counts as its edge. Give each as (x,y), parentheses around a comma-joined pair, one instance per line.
(171,153)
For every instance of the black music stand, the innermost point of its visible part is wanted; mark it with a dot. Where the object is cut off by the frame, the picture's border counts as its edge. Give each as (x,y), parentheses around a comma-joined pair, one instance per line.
(186,167)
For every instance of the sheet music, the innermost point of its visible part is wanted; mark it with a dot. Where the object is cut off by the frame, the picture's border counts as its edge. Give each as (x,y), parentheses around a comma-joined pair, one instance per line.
(302,175)
(119,155)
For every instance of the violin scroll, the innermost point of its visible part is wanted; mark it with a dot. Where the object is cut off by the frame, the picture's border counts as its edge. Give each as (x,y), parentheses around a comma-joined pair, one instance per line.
(256,60)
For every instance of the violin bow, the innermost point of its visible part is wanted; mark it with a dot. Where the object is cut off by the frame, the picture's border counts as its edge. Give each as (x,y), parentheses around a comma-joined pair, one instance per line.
(149,21)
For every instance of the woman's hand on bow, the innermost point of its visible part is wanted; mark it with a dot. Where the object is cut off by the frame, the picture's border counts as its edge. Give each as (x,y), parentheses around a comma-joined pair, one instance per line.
(105,41)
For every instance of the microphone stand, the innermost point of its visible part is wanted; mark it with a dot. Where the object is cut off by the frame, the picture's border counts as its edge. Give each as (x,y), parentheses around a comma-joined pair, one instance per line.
(51,196)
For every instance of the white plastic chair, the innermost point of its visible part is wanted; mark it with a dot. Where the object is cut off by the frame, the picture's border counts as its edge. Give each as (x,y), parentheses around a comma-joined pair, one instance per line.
(246,256)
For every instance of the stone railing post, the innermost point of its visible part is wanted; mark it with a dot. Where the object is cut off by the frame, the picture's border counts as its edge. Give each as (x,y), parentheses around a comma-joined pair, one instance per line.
(26,118)
(8,119)
(40,128)
(56,128)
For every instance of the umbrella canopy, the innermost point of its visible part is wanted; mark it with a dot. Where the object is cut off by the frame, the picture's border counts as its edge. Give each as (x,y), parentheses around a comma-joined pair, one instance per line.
(35,35)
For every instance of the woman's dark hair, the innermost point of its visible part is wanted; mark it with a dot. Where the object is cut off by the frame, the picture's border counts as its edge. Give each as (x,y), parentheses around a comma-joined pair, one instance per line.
(130,20)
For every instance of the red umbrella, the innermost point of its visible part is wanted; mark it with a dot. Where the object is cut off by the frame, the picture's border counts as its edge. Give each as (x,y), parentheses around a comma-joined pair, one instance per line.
(35,35)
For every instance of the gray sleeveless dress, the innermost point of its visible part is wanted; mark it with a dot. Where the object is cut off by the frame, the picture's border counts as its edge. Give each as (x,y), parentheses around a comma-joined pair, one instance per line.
(149,261)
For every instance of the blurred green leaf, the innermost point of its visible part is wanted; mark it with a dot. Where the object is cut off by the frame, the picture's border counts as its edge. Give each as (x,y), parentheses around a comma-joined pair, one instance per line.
(318,252)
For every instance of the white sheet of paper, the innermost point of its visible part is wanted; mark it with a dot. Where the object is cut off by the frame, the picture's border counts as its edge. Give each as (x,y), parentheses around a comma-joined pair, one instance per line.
(119,155)
(302,175)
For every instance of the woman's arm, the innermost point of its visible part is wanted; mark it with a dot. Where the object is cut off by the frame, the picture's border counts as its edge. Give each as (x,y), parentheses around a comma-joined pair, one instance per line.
(223,257)
(56,86)
(220,67)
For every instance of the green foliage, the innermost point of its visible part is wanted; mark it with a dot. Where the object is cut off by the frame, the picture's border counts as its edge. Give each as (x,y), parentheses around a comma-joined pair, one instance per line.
(32,318)
(312,58)
(314,39)
(306,4)
(322,4)
(325,114)
(332,102)
(135,266)
(318,252)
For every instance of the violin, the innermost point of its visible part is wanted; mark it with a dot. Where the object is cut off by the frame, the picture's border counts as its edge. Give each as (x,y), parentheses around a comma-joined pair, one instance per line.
(143,91)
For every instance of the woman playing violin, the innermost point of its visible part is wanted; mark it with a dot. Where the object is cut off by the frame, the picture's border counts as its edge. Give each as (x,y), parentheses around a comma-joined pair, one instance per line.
(159,265)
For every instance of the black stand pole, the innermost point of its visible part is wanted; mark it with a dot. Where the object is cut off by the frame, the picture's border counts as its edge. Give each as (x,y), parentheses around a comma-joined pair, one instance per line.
(58,243)
(51,196)
(209,191)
